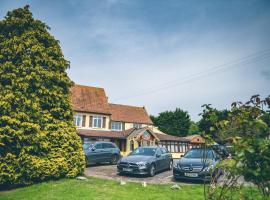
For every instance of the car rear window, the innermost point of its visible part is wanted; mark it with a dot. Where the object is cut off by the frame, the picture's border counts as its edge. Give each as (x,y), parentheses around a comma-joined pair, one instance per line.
(108,145)
(98,146)
(144,151)
(199,153)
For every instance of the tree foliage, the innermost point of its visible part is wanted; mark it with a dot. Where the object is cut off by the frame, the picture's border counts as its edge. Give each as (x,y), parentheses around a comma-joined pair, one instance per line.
(246,129)
(38,139)
(210,118)
(193,128)
(173,122)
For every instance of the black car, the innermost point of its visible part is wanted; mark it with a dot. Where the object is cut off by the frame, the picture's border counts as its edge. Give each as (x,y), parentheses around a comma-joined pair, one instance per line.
(146,161)
(197,164)
(221,150)
(98,152)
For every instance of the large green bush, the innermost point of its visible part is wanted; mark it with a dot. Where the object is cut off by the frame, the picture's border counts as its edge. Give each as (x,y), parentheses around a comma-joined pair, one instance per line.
(38,139)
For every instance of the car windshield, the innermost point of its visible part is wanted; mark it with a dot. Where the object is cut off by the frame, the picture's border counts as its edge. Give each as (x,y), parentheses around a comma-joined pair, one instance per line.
(88,145)
(144,152)
(199,153)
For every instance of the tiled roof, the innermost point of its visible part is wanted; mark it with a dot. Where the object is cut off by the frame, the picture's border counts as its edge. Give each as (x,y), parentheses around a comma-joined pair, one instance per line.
(93,99)
(165,137)
(130,114)
(138,132)
(195,138)
(106,134)
(89,99)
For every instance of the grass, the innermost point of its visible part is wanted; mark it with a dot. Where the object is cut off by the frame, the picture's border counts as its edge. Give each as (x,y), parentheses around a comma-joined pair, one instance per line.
(94,188)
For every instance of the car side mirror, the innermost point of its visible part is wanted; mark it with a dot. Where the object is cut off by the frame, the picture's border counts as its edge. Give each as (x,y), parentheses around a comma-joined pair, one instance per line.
(93,148)
(158,155)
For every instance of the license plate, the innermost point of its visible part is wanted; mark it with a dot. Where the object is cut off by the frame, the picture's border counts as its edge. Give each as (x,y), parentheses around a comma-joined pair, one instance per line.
(127,169)
(191,174)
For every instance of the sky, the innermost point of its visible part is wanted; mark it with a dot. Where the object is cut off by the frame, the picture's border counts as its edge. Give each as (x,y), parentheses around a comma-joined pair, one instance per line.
(163,54)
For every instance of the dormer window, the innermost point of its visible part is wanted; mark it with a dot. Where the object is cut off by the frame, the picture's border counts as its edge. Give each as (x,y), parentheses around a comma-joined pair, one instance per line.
(117,126)
(136,125)
(97,121)
(78,120)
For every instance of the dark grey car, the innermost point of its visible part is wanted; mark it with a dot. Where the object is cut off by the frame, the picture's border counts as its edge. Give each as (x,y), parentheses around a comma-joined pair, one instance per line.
(146,160)
(197,164)
(98,152)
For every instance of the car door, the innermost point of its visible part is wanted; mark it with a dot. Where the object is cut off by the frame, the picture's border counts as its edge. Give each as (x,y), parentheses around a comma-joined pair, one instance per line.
(159,160)
(98,153)
(107,148)
(166,158)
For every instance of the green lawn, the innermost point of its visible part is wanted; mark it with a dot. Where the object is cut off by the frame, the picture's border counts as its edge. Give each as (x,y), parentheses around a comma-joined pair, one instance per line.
(94,188)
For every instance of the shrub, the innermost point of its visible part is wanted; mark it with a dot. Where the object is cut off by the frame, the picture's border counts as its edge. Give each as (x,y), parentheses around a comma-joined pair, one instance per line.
(38,139)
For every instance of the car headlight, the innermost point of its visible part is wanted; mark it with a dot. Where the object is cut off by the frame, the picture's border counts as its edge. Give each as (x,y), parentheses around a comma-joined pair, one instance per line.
(142,165)
(208,168)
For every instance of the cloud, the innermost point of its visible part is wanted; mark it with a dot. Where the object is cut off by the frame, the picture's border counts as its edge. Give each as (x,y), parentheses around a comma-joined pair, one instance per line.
(131,47)
(266,74)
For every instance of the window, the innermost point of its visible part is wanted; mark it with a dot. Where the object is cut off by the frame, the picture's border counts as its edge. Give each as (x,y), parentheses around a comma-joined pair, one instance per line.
(97,121)
(164,151)
(107,146)
(78,120)
(98,146)
(136,125)
(131,145)
(168,146)
(172,147)
(158,152)
(117,126)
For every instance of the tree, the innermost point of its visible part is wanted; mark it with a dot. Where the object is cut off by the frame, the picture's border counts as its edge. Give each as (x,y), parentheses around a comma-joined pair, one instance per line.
(249,135)
(173,122)
(193,129)
(210,118)
(38,139)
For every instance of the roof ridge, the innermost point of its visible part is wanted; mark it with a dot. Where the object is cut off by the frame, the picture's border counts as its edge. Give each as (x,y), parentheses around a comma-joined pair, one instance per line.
(88,86)
(126,105)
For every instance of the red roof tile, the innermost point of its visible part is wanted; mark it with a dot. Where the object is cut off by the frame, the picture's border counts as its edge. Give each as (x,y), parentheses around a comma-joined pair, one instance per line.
(89,99)
(132,114)
(106,134)
(195,138)
(165,137)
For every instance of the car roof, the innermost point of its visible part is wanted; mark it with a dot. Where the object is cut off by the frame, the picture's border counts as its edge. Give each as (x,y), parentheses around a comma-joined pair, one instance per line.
(208,149)
(150,147)
(102,142)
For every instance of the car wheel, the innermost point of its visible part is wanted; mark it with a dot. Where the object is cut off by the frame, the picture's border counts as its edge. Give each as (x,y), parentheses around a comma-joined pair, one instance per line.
(171,165)
(152,170)
(114,159)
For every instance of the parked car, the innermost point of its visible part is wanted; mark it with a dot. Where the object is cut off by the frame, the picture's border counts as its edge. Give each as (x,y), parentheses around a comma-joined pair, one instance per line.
(197,164)
(98,152)
(221,150)
(146,161)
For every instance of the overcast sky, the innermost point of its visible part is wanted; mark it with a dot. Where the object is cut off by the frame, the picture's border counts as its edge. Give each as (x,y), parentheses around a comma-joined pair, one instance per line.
(163,54)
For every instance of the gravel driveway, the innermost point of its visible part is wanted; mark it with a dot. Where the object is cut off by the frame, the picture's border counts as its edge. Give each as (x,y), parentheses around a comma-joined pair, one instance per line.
(110,172)
(107,171)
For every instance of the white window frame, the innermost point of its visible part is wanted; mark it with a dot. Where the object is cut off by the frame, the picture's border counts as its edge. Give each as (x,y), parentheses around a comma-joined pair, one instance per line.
(137,125)
(97,118)
(78,120)
(116,129)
